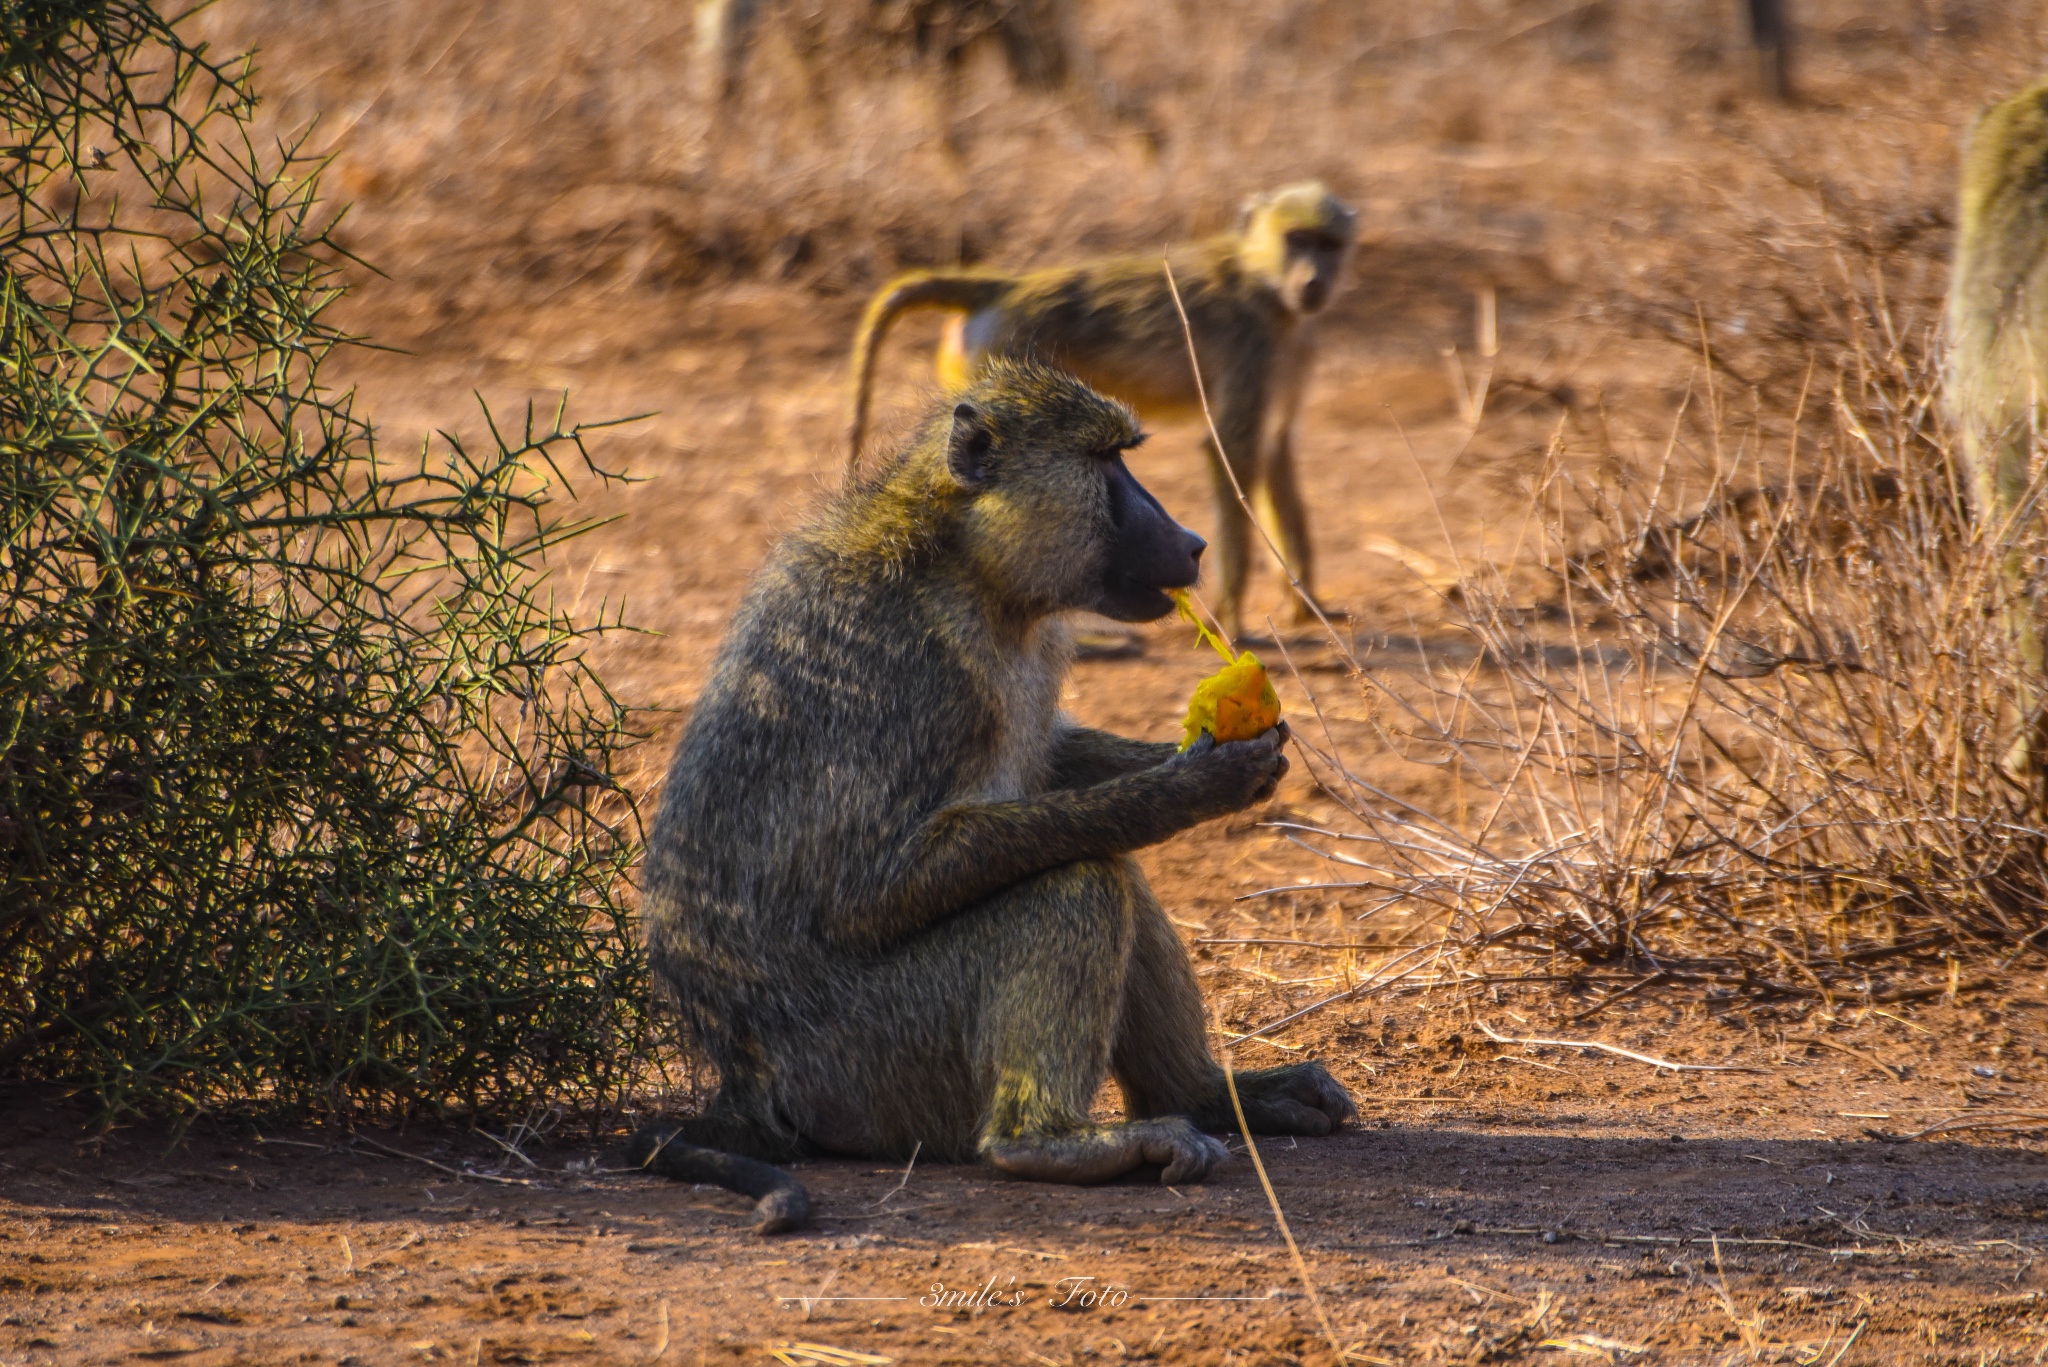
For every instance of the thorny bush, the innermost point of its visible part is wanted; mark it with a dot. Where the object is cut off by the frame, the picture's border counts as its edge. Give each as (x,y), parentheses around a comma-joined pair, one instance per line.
(305,786)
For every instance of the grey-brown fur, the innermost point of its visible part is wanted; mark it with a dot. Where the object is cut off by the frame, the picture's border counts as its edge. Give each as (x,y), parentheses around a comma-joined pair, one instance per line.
(1998,361)
(1251,297)
(889,888)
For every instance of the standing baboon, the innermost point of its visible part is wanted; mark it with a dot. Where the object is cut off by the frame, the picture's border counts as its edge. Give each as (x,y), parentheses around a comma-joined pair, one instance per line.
(1037,38)
(889,888)
(1251,297)
(1998,362)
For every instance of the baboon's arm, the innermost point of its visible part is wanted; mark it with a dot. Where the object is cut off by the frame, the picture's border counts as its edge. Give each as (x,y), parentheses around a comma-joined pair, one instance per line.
(964,853)
(1083,756)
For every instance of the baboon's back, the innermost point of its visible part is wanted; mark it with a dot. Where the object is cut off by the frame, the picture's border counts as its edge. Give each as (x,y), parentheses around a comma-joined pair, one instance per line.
(830,729)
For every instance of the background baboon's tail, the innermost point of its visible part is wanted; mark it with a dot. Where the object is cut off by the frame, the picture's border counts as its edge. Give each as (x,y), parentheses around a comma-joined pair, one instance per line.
(905,294)
(781,1203)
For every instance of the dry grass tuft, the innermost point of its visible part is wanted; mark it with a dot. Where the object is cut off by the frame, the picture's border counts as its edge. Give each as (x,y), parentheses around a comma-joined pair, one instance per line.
(1733,721)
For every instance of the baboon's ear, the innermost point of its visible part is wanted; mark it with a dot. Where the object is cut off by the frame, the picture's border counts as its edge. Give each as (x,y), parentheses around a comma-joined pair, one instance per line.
(1249,210)
(968,447)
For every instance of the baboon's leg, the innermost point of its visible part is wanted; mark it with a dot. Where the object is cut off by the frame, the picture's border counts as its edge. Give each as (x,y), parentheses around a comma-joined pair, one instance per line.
(987,1035)
(1162,1060)
(952,65)
(725,31)
(1234,533)
(1044,1039)
(2006,491)
(1290,520)
(1037,37)
(1770,28)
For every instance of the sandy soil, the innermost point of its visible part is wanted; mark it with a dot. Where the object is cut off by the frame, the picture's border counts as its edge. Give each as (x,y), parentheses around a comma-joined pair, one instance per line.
(1496,1203)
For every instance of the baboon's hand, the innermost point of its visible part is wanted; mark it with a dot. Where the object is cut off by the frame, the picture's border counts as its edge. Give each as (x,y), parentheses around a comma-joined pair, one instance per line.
(1220,779)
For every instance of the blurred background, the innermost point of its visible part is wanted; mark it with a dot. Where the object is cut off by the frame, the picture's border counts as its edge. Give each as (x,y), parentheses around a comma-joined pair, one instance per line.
(564,196)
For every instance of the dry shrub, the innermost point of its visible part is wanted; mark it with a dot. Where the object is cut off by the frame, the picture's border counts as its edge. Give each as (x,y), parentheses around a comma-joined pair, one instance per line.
(1739,723)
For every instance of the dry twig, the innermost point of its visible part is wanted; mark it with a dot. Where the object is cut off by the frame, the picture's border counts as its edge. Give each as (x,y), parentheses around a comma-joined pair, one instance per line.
(1618,1052)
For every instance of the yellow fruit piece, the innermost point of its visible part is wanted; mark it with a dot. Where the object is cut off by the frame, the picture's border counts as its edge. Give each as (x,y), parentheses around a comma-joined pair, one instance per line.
(1237,702)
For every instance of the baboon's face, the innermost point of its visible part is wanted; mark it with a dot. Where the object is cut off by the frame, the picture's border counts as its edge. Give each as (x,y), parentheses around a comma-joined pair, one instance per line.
(1056,519)
(1300,238)
(1315,258)
(1147,552)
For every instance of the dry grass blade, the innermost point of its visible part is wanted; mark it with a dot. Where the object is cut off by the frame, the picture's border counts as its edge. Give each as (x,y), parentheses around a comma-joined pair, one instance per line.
(1861,1056)
(2013,1120)
(1251,1147)
(824,1355)
(661,1333)
(461,1173)
(1618,1052)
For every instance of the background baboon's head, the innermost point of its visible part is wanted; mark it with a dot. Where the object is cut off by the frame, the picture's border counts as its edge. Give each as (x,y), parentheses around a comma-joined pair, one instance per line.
(1300,237)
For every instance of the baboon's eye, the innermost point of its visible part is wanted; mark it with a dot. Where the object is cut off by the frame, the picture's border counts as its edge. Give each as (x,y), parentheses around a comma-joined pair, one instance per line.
(1311,240)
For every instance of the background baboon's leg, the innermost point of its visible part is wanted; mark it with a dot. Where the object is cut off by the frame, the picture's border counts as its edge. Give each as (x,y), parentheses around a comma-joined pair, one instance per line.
(1233,540)
(725,31)
(1290,520)
(1038,38)
(1238,401)
(1770,28)
(2004,488)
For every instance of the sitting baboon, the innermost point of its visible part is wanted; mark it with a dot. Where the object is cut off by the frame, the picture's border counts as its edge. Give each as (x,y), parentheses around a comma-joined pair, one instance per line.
(1998,364)
(1251,297)
(889,889)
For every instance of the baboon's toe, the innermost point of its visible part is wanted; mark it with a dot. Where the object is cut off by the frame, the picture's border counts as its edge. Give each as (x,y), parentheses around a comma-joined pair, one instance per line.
(1194,1153)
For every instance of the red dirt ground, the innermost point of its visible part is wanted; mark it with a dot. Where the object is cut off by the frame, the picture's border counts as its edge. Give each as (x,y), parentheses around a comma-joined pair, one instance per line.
(1496,1203)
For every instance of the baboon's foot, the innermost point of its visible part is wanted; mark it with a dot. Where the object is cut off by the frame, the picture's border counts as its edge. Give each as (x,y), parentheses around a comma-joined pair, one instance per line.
(1097,1153)
(1314,612)
(1300,1098)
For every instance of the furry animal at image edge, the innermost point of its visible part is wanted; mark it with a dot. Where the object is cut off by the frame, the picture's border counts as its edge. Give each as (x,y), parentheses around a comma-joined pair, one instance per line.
(1998,370)
(1252,296)
(889,889)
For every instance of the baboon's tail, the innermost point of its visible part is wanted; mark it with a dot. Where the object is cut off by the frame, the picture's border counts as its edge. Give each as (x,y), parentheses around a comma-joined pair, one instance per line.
(913,290)
(781,1203)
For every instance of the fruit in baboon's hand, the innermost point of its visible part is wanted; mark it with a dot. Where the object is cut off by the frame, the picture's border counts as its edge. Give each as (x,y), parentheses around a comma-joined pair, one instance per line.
(1237,702)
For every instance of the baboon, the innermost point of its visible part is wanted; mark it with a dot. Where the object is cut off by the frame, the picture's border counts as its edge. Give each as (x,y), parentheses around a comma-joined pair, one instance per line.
(1037,38)
(1251,297)
(889,889)
(1998,363)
